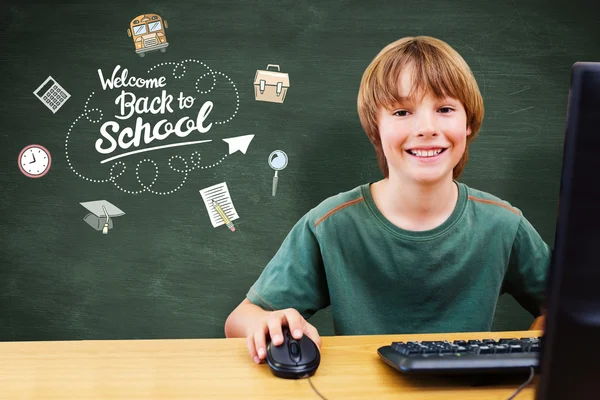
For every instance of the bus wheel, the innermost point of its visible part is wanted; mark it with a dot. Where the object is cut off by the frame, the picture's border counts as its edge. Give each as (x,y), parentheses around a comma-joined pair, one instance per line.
(142,55)
(163,50)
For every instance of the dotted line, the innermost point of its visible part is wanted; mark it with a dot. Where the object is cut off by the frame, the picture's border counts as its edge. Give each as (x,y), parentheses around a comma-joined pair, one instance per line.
(85,108)
(211,72)
(92,120)
(237,100)
(148,188)
(195,165)
(84,114)
(112,177)
(195,155)
(182,74)
(163,63)
(213,84)
(215,164)
(87,102)
(214,73)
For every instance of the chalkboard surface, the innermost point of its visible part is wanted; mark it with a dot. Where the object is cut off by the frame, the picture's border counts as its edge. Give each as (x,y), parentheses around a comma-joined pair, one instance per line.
(150,138)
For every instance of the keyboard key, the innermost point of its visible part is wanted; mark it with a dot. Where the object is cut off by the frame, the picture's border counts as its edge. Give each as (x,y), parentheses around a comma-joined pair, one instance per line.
(473,348)
(516,348)
(531,340)
(399,346)
(485,350)
(501,348)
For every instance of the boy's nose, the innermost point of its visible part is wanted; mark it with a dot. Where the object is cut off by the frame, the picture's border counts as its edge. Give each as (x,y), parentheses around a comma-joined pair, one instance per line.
(425,125)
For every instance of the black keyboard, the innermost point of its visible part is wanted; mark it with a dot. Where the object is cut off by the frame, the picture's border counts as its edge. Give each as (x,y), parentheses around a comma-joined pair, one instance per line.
(463,356)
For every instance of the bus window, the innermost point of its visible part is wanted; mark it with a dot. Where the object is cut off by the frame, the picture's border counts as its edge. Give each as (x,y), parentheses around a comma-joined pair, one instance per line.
(139,29)
(154,26)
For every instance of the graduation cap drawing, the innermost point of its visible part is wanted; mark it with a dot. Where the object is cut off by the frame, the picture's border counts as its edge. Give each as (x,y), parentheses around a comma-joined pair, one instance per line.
(101,214)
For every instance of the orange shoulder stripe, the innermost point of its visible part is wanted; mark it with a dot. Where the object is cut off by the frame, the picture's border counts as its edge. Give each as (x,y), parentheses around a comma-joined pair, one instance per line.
(338,208)
(497,203)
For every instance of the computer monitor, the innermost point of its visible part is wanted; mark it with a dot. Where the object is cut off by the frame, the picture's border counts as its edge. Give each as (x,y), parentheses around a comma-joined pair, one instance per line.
(570,357)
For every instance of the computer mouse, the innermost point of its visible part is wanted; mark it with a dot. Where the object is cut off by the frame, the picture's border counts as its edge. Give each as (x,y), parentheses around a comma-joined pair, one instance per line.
(294,358)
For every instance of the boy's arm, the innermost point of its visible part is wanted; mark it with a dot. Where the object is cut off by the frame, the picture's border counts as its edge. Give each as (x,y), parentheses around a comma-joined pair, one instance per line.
(539,323)
(294,279)
(243,318)
(527,272)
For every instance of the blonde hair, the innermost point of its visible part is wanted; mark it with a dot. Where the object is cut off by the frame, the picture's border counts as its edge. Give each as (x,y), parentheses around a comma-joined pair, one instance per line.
(438,69)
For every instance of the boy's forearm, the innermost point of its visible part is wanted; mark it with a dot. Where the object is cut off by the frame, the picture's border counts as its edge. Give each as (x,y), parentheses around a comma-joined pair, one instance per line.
(242,318)
(540,322)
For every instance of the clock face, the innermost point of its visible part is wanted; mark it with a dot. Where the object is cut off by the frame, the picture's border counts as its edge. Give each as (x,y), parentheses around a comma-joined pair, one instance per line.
(34,161)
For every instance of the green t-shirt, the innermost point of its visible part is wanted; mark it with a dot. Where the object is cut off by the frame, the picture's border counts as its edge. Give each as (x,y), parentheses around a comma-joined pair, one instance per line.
(381,279)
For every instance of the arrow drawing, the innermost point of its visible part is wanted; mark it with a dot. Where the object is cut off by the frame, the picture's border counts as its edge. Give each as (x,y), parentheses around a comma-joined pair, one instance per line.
(240,143)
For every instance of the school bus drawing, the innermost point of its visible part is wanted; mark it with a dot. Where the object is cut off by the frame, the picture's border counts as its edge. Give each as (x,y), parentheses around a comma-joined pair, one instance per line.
(148,33)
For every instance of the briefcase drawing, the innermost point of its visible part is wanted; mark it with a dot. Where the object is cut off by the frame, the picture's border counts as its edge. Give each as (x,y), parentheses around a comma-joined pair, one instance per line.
(271,85)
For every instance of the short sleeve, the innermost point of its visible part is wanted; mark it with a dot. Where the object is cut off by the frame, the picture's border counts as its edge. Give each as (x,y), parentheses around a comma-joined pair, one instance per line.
(528,267)
(295,277)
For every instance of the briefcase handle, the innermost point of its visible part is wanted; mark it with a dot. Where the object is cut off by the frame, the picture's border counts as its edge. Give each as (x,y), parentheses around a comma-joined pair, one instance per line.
(273,65)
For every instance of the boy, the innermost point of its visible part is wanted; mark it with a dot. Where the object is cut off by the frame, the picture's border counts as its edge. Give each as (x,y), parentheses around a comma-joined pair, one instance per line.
(416,251)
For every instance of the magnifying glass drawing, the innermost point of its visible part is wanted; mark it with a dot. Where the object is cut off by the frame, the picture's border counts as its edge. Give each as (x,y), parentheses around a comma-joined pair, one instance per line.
(278,160)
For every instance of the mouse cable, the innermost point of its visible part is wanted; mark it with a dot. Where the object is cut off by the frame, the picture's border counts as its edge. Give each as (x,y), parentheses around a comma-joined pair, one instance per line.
(315,389)
(527,382)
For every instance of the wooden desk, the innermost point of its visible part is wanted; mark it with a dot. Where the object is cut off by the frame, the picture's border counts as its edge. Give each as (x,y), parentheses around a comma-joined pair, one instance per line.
(222,369)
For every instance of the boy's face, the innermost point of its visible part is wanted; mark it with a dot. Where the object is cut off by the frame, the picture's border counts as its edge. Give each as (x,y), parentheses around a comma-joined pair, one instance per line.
(423,141)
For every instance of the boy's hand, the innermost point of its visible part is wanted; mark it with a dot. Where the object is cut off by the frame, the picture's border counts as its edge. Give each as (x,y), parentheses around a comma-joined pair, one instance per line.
(271,325)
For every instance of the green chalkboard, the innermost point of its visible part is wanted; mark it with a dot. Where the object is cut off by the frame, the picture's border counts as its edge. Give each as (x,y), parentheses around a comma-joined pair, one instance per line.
(152,136)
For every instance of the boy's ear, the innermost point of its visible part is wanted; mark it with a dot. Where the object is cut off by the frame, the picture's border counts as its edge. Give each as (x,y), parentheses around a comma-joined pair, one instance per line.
(468,130)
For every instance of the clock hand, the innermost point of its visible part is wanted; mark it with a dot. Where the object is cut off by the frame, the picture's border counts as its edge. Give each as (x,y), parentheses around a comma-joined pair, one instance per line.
(33,155)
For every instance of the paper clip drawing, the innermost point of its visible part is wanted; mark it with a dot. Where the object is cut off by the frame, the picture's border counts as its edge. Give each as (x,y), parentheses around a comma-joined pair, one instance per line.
(270,85)
(101,215)
(52,94)
(148,33)
(278,160)
(219,205)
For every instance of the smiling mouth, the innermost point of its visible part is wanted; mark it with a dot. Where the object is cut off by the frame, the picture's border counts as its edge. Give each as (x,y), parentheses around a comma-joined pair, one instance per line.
(426,153)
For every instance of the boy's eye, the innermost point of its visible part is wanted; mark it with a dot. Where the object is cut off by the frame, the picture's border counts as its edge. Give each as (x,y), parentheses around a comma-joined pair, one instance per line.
(403,113)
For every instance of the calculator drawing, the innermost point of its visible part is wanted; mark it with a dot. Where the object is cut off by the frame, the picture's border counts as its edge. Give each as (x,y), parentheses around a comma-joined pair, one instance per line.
(52,94)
